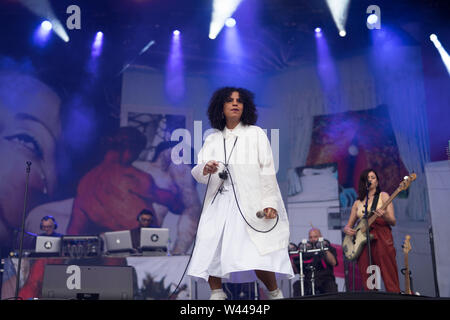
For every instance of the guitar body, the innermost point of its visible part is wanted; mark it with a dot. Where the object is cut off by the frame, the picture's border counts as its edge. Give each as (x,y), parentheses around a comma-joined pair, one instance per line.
(352,246)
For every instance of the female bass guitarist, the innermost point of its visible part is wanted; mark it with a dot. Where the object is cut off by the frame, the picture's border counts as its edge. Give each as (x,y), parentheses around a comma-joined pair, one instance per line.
(382,246)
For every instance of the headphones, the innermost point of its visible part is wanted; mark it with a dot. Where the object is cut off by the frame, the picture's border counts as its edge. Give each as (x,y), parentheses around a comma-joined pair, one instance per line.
(145,211)
(46,218)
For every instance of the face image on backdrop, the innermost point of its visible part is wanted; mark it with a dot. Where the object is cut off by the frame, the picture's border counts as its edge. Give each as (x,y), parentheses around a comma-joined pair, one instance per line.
(29,130)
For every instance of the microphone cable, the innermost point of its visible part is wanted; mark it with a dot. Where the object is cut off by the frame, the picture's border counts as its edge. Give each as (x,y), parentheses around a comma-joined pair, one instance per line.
(240,211)
(224,176)
(195,238)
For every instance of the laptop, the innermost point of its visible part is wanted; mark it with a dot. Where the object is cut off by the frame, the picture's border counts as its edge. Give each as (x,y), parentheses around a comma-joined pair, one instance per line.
(118,241)
(48,245)
(154,239)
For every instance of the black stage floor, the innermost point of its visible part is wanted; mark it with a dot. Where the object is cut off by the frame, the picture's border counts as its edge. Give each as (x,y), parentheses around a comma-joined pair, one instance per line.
(366,296)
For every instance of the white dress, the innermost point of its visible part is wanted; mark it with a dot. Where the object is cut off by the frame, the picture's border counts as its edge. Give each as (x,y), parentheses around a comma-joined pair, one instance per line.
(223,245)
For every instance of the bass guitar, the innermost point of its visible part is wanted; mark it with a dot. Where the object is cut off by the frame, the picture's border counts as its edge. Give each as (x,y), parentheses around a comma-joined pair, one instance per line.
(353,245)
(406,248)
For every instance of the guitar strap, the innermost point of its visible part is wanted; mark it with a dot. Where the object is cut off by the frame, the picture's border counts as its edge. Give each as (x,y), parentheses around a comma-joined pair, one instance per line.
(375,202)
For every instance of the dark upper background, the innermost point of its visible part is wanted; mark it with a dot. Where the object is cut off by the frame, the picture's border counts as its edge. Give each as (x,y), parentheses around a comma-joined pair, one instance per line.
(277,34)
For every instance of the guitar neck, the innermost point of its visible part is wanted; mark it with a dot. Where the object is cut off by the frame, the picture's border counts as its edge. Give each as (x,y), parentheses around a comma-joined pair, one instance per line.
(407,280)
(373,217)
(388,201)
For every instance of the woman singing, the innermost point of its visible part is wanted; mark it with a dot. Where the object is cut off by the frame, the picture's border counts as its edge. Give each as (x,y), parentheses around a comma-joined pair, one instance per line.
(236,163)
(382,247)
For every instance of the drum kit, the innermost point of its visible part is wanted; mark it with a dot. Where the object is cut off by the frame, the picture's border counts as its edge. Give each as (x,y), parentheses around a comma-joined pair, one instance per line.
(306,252)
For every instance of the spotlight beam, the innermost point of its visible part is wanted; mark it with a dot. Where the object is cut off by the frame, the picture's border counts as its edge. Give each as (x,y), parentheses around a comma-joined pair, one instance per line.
(444,55)
(222,10)
(44,10)
(339,12)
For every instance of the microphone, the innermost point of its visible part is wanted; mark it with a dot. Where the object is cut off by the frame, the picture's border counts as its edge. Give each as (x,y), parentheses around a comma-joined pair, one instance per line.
(369,184)
(223,175)
(260,214)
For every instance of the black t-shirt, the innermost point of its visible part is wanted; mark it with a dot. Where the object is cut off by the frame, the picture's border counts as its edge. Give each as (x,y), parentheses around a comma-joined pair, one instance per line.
(317,260)
(54,234)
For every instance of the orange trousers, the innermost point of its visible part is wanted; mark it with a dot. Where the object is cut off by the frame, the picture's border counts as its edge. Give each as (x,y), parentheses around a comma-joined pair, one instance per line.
(382,254)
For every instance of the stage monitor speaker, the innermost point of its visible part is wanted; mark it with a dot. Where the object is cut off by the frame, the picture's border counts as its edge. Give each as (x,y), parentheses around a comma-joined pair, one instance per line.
(76,282)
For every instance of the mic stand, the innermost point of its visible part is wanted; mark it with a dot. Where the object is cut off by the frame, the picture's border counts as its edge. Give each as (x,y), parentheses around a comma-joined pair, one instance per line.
(19,264)
(312,268)
(366,218)
(302,275)
(433,260)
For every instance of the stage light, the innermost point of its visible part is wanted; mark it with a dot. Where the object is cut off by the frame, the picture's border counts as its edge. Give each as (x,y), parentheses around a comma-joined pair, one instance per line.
(42,33)
(230,22)
(342,33)
(433,37)
(44,10)
(339,12)
(174,82)
(318,32)
(97,44)
(372,19)
(46,25)
(222,10)
(444,55)
(327,72)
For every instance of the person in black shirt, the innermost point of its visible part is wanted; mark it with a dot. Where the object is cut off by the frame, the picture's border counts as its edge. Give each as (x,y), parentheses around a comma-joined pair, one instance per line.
(146,219)
(322,263)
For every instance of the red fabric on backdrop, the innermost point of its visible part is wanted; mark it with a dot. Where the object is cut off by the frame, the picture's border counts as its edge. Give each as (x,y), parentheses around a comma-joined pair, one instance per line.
(370,131)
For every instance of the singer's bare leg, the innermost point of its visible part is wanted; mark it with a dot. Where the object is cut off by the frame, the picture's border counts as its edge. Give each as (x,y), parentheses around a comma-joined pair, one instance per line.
(215,283)
(268,278)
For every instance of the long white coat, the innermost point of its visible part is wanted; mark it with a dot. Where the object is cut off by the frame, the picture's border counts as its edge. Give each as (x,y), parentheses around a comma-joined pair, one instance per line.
(253,173)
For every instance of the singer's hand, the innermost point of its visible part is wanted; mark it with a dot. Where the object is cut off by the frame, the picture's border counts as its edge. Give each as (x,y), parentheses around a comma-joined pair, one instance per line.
(210,167)
(270,213)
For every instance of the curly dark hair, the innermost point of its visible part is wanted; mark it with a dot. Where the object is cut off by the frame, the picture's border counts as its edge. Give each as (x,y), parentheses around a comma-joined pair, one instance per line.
(215,108)
(362,185)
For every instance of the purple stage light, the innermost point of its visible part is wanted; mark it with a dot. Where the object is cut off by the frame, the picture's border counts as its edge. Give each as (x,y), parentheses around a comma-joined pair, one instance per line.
(318,32)
(175,86)
(42,33)
(328,74)
(444,54)
(97,44)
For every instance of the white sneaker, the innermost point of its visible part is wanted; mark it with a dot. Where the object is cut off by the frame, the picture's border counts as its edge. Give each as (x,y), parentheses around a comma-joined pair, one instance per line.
(275,294)
(218,294)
